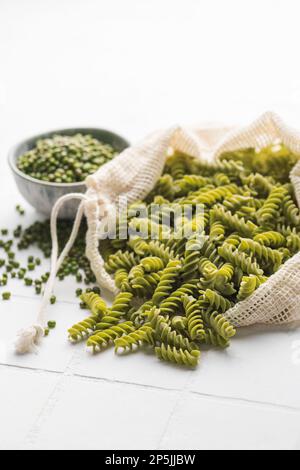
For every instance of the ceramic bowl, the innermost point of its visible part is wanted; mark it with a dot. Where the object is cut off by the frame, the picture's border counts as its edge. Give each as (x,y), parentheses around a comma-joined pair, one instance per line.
(43,195)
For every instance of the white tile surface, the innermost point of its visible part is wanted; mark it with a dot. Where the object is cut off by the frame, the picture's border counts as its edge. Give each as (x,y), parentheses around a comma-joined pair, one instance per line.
(140,367)
(22,396)
(134,67)
(122,417)
(56,352)
(211,424)
(260,365)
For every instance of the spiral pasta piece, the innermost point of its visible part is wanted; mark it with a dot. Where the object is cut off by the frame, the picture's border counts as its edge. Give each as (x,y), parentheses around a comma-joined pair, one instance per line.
(217,194)
(262,185)
(194,318)
(235,202)
(144,286)
(291,211)
(229,167)
(261,252)
(268,213)
(95,303)
(191,259)
(211,338)
(271,239)
(217,231)
(137,315)
(120,260)
(122,280)
(102,339)
(212,300)
(210,251)
(224,273)
(144,334)
(83,329)
(190,183)
(239,260)
(165,187)
(157,249)
(179,323)
(178,165)
(220,325)
(249,284)
(139,246)
(121,304)
(178,356)
(171,305)
(220,179)
(293,242)
(169,277)
(118,310)
(152,264)
(233,222)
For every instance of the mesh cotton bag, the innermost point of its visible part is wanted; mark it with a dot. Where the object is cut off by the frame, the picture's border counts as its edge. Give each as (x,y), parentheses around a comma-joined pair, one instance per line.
(133,175)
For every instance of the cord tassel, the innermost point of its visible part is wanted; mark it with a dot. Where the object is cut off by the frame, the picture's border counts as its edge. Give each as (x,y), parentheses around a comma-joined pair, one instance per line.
(29,338)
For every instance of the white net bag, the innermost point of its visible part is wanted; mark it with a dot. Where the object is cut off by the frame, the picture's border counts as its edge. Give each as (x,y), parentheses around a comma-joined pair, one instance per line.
(133,174)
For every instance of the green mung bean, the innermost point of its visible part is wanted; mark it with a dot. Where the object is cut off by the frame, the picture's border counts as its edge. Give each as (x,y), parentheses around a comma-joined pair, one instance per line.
(6,295)
(65,159)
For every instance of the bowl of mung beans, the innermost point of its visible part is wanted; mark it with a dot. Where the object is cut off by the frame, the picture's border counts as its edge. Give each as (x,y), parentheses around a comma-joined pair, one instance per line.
(53,164)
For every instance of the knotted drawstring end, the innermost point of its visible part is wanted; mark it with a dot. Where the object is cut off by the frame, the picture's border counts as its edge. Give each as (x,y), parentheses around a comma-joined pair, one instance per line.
(28,339)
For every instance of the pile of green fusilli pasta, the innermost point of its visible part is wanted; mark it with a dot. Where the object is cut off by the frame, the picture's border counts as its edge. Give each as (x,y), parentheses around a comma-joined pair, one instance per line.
(174,291)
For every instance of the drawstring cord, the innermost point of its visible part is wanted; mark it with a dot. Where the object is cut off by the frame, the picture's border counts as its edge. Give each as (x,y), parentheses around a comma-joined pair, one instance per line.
(28,338)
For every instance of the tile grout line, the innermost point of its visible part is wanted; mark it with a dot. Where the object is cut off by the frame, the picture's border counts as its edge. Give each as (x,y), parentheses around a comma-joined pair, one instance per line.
(246,401)
(75,357)
(51,401)
(180,397)
(30,369)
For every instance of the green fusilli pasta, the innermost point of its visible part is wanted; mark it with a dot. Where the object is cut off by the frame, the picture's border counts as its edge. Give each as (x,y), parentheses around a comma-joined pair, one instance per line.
(144,334)
(94,303)
(195,324)
(102,339)
(207,236)
(83,329)
(168,278)
(178,356)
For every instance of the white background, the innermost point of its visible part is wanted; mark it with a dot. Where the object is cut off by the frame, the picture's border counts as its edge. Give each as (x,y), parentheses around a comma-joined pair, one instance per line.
(134,66)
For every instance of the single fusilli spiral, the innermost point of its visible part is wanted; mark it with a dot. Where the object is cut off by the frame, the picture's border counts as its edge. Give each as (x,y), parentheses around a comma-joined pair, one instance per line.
(194,318)
(120,260)
(191,259)
(261,252)
(269,211)
(239,260)
(169,276)
(178,356)
(219,324)
(172,304)
(119,309)
(212,300)
(234,222)
(83,329)
(249,284)
(152,264)
(103,338)
(139,246)
(144,334)
(95,303)
(271,239)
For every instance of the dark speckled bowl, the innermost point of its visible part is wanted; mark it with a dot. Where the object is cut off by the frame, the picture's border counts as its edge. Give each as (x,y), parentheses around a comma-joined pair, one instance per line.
(42,195)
